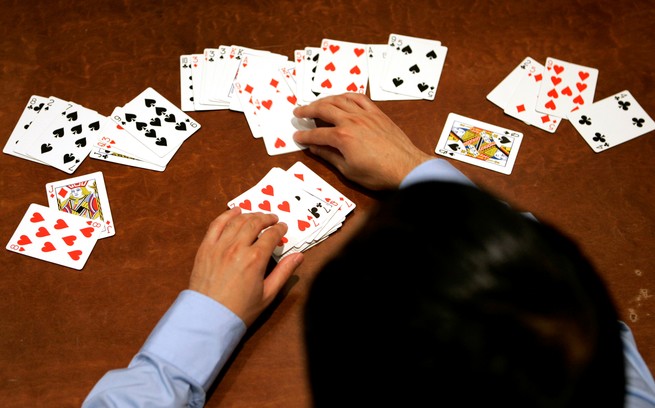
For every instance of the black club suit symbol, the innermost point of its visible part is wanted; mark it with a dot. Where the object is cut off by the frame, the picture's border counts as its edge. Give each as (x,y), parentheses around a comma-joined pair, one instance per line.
(624,105)
(638,122)
(585,120)
(599,138)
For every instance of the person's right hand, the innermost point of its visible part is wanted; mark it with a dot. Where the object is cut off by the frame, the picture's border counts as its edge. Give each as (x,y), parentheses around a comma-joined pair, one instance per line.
(231,262)
(364,144)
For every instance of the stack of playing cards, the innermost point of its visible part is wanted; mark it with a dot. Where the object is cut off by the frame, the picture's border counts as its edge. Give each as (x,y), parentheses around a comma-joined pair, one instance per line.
(266,87)
(542,96)
(55,132)
(481,144)
(145,133)
(311,207)
(66,231)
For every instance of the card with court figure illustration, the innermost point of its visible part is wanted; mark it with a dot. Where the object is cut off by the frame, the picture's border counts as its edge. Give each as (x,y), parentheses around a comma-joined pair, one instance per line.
(86,197)
(478,143)
(612,121)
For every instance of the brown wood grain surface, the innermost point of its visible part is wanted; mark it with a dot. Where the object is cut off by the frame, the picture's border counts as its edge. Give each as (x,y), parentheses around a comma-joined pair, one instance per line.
(61,329)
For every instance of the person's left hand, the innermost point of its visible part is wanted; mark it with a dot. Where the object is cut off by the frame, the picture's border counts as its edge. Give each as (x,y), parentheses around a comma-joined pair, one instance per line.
(231,262)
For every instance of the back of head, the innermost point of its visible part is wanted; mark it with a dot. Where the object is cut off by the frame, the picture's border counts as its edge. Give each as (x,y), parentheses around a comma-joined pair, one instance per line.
(447,297)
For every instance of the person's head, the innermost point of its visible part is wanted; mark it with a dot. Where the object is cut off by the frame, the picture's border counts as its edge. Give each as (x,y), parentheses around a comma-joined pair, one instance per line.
(448,297)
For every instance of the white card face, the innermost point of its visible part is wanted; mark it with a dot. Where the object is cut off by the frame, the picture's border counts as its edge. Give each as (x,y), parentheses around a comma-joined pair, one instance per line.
(86,197)
(40,124)
(612,121)
(377,57)
(481,144)
(34,106)
(157,123)
(523,100)
(275,193)
(121,139)
(414,66)
(502,93)
(256,72)
(566,87)
(310,64)
(342,67)
(54,236)
(186,84)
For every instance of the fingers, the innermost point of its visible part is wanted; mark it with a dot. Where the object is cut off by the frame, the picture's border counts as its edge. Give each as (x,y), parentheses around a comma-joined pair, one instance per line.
(218,224)
(280,275)
(332,109)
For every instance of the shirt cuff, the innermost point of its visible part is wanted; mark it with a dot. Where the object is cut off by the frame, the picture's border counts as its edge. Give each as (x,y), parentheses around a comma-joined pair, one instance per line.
(435,170)
(197,335)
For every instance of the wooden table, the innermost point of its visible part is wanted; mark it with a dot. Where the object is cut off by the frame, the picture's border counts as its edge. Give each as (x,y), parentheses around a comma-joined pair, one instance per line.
(61,329)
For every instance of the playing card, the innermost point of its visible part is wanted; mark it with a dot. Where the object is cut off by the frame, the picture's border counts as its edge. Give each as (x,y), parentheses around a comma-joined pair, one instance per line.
(157,123)
(523,100)
(342,67)
(231,69)
(53,236)
(611,121)
(40,125)
(502,93)
(566,88)
(116,137)
(34,105)
(186,84)
(255,72)
(309,66)
(86,197)
(377,59)
(68,138)
(414,66)
(121,158)
(277,193)
(479,143)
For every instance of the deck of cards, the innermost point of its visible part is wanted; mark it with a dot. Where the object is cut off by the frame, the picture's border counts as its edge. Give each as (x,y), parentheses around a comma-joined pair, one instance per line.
(266,87)
(66,231)
(144,133)
(311,207)
(544,95)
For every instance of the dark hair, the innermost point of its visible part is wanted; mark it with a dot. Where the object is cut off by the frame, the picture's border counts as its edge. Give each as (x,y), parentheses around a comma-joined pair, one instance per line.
(447,295)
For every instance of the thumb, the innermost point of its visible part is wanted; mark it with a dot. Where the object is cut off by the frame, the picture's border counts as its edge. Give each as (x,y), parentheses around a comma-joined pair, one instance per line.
(280,275)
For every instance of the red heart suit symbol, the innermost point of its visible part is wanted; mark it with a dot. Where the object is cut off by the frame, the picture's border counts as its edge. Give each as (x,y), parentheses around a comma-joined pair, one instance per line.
(36,217)
(265,205)
(75,255)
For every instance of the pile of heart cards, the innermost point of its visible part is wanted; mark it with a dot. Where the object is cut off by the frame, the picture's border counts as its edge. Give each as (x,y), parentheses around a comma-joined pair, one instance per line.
(311,207)
(65,232)
(144,133)
(266,86)
(544,95)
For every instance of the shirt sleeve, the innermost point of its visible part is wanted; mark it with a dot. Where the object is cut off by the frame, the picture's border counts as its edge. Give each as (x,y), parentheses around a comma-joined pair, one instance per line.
(640,387)
(180,359)
(435,170)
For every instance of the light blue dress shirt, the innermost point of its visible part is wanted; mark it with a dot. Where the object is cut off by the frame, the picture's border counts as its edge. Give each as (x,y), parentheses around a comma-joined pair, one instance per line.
(189,346)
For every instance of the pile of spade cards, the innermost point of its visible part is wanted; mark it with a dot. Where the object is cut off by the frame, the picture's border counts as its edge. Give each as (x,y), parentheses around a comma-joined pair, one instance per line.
(310,206)
(144,133)
(544,95)
(66,231)
(266,87)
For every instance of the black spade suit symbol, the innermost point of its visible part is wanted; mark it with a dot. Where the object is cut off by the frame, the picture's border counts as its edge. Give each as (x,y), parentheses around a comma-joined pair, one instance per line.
(46,147)
(150,102)
(414,69)
(58,132)
(407,50)
(68,157)
(431,55)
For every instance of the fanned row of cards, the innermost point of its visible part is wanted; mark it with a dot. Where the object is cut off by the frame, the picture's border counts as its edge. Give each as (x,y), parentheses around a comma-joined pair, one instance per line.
(146,132)
(266,86)
(311,207)
(66,231)
(544,95)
